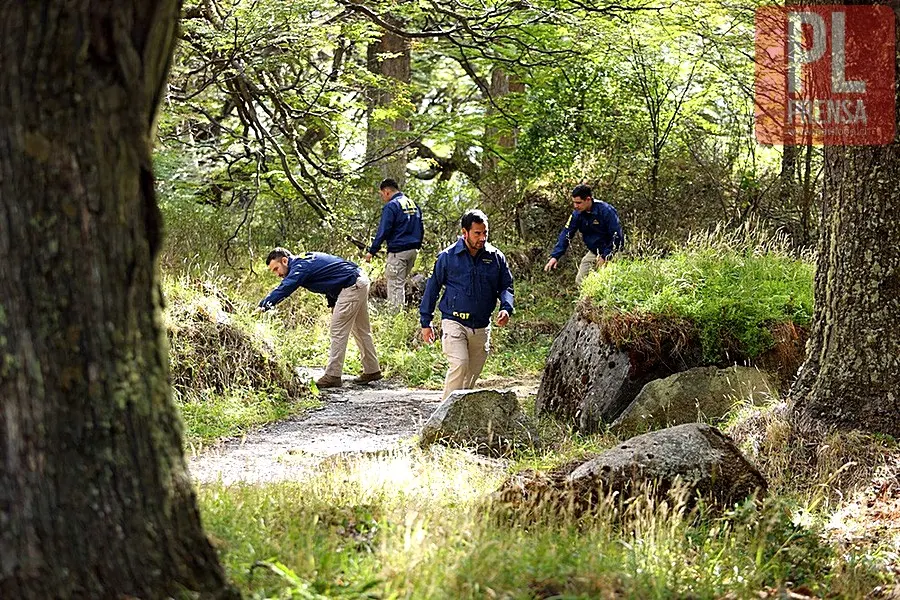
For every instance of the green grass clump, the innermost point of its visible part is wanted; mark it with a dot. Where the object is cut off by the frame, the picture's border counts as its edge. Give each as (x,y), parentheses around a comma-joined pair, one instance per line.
(209,415)
(731,298)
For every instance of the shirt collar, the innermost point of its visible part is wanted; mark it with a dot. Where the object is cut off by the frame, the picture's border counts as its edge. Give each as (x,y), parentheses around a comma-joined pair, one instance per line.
(395,196)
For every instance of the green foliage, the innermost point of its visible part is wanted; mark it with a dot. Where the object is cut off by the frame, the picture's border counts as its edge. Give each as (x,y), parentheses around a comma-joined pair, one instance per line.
(731,297)
(209,415)
(228,377)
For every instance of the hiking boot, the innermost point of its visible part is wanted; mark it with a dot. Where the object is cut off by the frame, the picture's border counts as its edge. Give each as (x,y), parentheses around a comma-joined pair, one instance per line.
(368,377)
(329,381)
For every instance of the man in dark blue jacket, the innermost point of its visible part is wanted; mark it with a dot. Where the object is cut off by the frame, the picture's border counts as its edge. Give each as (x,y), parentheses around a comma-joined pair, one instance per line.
(346,289)
(599,225)
(474,275)
(402,228)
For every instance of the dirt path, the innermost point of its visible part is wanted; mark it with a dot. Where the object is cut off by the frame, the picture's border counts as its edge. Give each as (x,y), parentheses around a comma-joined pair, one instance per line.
(353,419)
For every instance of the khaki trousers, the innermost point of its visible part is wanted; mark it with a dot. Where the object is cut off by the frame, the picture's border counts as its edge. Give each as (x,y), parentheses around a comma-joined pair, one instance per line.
(588,263)
(398,267)
(466,350)
(351,315)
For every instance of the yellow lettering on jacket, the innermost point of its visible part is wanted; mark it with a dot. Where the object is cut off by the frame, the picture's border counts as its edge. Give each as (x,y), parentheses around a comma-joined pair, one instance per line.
(408,206)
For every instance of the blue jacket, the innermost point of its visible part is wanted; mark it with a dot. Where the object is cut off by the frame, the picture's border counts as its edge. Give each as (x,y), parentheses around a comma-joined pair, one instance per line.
(472,286)
(599,228)
(318,272)
(401,225)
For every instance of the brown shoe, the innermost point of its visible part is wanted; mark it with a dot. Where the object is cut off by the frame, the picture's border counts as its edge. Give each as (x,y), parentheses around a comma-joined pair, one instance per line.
(329,381)
(368,377)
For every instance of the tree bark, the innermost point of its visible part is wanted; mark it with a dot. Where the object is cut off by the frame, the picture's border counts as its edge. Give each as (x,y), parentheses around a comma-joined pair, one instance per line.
(498,186)
(95,497)
(389,57)
(851,377)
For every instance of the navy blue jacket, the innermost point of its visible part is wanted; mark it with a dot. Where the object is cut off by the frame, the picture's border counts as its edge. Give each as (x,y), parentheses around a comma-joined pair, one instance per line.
(401,225)
(599,228)
(473,284)
(318,272)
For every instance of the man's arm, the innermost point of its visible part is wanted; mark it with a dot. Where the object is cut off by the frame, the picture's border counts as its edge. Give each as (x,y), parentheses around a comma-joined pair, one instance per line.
(505,287)
(429,298)
(614,234)
(288,285)
(505,292)
(385,226)
(562,244)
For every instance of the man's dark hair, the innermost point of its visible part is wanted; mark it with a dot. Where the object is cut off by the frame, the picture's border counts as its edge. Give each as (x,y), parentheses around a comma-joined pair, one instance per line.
(388,184)
(472,215)
(582,191)
(277,254)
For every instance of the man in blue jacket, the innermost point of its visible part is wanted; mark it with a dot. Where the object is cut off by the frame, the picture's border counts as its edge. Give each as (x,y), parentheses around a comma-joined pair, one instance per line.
(402,228)
(346,289)
(474,275)
(599,225)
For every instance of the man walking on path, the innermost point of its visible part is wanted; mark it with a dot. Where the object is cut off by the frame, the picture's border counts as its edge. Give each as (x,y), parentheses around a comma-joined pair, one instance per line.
(474,275)
(402,228)
(599,225)
(346,289)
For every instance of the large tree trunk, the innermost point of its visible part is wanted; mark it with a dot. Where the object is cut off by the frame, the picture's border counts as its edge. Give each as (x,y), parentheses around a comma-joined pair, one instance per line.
(389,57)
(851,377)
(498,185)
(95,498)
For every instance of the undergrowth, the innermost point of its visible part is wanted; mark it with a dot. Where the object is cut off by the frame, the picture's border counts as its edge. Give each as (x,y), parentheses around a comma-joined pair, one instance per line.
(413,524)
(728,300)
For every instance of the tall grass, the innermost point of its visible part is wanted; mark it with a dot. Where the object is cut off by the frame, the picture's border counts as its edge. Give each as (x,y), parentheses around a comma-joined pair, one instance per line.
(414,525)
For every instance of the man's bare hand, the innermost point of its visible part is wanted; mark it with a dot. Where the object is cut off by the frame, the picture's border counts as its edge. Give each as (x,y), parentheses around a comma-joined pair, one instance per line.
(427,335)
(368,257)
(502,318)
(551,264)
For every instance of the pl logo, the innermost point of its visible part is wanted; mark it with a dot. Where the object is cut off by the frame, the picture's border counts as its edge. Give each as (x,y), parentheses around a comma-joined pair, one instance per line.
(825,75)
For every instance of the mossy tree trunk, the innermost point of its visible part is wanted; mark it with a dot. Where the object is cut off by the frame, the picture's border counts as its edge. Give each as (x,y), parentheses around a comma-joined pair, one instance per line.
(851,377)
(95,498)
(498,184)
(389,56)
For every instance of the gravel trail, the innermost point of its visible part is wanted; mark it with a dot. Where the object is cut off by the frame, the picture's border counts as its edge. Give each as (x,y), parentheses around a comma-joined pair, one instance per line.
(353,419)
(365,418)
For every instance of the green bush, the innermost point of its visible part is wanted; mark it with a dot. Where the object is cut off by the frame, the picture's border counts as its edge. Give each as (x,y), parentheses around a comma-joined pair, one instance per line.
(731,299)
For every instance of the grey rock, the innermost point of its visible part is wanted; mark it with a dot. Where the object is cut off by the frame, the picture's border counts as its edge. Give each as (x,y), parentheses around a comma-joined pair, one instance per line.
(692,459)
(588,382)
(488,421)
(695,455)
(702,393)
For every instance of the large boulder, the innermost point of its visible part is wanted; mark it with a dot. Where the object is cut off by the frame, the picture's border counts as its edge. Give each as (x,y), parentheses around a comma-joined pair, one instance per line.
(589,382)
(702,393)
(694,459)
(487,421)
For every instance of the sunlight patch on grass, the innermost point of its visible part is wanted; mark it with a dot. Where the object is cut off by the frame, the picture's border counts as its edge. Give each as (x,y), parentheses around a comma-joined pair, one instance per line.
(418,524)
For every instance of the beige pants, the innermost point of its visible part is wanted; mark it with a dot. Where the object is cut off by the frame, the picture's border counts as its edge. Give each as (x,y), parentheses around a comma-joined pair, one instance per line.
(588,263)
(398,267)
(466,349)
(351,315)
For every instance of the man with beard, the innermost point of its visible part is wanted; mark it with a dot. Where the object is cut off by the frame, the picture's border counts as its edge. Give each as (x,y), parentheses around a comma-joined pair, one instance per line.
(474,275)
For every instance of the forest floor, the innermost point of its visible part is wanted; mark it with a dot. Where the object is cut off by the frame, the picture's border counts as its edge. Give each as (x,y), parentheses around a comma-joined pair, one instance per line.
(353,419)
